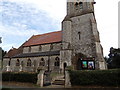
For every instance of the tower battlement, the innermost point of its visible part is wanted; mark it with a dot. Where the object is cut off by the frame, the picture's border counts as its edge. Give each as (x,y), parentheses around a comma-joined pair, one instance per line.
(79,7)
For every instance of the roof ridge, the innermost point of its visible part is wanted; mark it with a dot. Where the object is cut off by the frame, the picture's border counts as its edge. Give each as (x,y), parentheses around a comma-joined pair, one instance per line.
(46,33)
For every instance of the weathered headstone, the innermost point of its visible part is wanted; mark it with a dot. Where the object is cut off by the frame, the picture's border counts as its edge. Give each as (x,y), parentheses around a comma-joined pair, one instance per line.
(40,78)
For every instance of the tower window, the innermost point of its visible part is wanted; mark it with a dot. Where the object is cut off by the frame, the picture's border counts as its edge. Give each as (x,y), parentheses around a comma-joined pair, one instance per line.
(76,4)
(79,35)
(81,5)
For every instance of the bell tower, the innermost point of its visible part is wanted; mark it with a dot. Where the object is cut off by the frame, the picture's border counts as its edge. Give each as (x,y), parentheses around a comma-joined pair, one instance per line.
(77,7)
(80,37)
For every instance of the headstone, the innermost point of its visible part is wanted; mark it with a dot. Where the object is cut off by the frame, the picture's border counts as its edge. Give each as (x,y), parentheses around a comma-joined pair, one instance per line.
(40,78)
(21,68)
(67,79)
(8,68)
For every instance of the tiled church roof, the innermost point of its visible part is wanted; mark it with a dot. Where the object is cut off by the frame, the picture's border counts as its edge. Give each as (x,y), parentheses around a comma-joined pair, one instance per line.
(11,53)
(44,38)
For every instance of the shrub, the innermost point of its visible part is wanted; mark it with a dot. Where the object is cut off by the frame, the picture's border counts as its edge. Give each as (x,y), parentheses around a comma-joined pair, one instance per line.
(96,77)
(19,77)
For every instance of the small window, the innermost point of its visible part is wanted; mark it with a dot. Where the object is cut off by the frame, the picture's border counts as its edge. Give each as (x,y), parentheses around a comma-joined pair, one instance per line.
(57,61)
(29,62)
(40,48)
(29,49)
(51,46)
(79,35)
(18,62)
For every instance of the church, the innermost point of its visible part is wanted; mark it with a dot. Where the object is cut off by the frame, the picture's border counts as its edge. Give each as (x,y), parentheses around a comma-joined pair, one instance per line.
(77,44)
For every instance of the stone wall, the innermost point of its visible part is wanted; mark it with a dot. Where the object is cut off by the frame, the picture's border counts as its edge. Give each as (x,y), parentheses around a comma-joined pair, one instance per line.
(43,48)
(85,43)
(35,64)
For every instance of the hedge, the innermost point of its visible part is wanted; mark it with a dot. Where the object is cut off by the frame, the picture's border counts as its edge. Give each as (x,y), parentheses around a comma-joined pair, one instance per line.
(19,77)
(95,78)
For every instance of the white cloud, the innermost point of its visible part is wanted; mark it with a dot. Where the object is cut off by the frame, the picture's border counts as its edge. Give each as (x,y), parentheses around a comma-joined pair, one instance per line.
(10,30)
(55,8)
(7,46)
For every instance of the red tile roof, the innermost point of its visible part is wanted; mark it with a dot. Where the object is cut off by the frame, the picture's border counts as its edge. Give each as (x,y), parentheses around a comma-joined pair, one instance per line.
(11,52)
(14,51)
(44,38)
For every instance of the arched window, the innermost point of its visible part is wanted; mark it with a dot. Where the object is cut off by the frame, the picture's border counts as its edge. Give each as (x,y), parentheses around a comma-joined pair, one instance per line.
(57,61)
(29,62)
(9,62)
(18,62)
(22,63)
(79,4)
(42,62)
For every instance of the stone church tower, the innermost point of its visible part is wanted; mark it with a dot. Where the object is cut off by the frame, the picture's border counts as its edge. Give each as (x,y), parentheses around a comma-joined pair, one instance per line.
(80,37)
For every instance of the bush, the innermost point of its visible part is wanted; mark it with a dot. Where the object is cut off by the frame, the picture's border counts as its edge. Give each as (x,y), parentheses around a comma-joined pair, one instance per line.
(19,77)
(96,77)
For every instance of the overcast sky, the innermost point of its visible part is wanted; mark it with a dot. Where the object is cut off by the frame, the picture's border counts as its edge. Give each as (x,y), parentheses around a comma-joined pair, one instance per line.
(20,19)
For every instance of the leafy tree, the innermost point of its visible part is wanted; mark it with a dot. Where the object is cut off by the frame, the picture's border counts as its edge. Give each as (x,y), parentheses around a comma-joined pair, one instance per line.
(114,58)
(3,53)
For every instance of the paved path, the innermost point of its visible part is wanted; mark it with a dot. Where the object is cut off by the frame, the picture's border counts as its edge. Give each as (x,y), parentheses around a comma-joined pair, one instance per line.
(27,85)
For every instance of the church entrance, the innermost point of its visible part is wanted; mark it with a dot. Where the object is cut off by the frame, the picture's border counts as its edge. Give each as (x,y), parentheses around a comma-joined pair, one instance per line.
(65,65)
